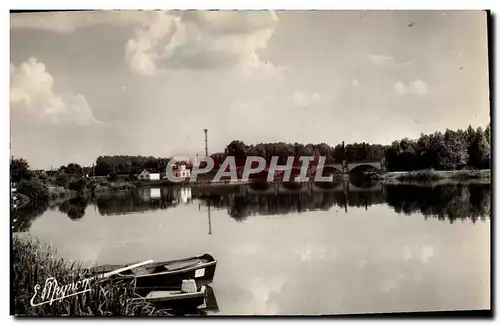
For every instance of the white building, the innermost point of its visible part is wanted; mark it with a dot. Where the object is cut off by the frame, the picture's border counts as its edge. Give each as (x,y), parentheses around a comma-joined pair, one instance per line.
(180,170)
(151,175)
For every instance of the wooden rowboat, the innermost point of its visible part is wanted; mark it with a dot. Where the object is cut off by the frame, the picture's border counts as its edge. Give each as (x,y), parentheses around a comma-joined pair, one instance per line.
(168,274)
(175,298)
(201,302)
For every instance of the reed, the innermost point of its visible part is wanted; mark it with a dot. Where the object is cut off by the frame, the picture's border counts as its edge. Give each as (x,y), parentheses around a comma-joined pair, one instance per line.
(31,266)
(429,175)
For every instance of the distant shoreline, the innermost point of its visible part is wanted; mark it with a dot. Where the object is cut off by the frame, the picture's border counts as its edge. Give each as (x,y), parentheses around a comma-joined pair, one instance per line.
(445,176)
(419,176)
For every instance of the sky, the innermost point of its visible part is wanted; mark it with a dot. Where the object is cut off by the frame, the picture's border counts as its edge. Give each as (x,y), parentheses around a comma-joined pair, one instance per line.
(85,84)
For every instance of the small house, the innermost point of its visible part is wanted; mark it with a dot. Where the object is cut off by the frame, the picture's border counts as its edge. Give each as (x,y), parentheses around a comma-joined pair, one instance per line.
(149,174)
(180,170)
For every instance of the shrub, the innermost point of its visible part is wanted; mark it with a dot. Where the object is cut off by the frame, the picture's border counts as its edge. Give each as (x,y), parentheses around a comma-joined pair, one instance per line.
(78,185)
(62,180)
(34,189)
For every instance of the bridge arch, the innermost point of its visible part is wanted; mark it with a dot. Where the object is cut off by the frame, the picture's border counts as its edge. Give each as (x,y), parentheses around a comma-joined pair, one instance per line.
(363,166)
(294,173)
(332,169)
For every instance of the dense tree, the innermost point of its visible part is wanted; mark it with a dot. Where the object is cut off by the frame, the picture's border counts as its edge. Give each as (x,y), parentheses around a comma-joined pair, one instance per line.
(479,150)
(19,170)
(128,165)
(487,134)
(78,185)
(444,151)
(73,169)
(451,150)
(62,179)
(453,154)
(218,158)
(237,149)
(34,189)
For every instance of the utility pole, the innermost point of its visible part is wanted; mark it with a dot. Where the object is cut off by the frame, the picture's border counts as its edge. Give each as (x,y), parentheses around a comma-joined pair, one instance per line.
(344,159)
(206,142)
(206,154)
(209,220)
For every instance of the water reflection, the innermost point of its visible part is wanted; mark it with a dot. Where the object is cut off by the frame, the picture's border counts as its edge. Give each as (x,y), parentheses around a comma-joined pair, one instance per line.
(74,207)
(472,201)
(452,202)
(138,201)
(23,218)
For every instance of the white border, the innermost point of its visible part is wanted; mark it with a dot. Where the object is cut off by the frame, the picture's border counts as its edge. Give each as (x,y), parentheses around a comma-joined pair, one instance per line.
(185,4)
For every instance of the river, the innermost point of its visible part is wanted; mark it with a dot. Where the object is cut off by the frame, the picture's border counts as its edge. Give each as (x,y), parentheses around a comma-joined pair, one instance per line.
(352,249)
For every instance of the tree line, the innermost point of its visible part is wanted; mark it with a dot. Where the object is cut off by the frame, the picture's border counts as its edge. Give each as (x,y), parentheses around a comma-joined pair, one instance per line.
(128,165)
(444,202)
(450,150)
(442,151)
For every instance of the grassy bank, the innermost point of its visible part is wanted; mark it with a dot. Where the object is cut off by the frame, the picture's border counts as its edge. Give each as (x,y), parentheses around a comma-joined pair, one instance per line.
(59,192)
(434,175)
(31,266)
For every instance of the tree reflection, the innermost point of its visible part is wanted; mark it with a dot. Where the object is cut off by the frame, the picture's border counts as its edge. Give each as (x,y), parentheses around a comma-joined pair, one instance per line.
(74,207)
(444,202)
(135,201)
(450,202)
(23,218)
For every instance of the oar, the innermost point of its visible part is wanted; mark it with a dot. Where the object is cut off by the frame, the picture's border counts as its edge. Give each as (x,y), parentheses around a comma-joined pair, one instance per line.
(107,275)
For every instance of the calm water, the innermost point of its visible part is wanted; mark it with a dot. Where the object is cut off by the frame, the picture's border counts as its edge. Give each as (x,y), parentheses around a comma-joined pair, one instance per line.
(346,250)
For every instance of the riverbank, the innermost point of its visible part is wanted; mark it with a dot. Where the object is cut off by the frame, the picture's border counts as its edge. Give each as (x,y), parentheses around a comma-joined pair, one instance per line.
(58,193)
(31,266)
(434,176)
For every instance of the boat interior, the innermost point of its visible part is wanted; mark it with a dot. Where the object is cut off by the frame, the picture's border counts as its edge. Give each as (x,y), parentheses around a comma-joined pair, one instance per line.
(157,267)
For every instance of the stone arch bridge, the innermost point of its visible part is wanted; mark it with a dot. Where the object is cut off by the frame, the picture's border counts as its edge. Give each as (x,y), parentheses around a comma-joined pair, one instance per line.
(344,168)
(347,167)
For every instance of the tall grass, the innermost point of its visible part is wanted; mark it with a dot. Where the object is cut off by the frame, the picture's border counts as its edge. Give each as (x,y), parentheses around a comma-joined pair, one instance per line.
(32,266)
(435,175)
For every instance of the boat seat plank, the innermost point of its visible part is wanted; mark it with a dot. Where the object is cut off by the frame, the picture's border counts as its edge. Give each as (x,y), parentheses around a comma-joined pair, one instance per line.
(181,265)
(173,295)
(161,294)
(140,271)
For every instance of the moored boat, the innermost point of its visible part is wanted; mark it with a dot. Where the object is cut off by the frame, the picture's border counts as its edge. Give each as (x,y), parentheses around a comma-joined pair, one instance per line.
(175,298)
(167,274)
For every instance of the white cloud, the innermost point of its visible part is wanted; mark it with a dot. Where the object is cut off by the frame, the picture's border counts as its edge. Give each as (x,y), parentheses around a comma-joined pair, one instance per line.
(385,60)
(426,253)
(419,87)
(169,39)
(400,88)
(379,59)
(32,93)
(302,99)
(140,51)
(415,87)
(202,40)
(68,22)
